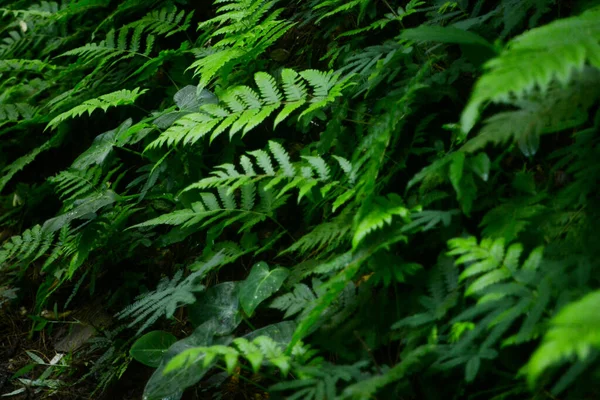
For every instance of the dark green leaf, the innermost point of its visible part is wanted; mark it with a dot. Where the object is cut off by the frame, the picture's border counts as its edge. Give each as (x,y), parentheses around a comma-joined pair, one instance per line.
(149,349)
(260,285)
(220,302)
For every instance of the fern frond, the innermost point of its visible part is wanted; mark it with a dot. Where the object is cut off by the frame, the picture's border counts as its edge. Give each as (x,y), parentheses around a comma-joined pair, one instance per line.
(336,7)
(73,184)
(104,102)
(20,163)
(223,211)
(115,47)
(558,109)
(166,21)
(381,212)
(245,34)
(168,295)
(299,176)
(26,248)
(535,59)
(15,112)
(327,236)
(295,301)
(241,108)
(22,65)
(573,332)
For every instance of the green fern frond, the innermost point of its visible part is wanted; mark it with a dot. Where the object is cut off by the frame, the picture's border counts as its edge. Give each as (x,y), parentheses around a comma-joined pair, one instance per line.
(488,263)
(73,184)
(509,219)
(241,108)
(245,34)
(295,301)
(26,248)
(558,109)
(15,112)
(381,212)
(336,7)
(37,10)
(166,21)
(115,47)
(223,211)
(261,349)
(573,333)
(297,175)
(535,59)
(14,44)
(21,65)
(104,102)
(327,236)
(168,295)
(20,163)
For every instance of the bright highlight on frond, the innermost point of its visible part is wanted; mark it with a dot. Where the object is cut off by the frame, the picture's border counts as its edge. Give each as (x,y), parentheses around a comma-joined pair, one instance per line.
(242,108)
(535,59)
(104,102)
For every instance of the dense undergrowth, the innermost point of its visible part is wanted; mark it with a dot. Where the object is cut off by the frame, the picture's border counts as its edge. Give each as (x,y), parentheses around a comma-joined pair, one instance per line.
(317,199)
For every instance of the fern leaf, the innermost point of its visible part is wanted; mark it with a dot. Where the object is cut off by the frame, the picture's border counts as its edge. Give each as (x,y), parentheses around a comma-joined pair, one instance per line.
(16,111)
(114,99)
(282,158)
(380,214)
(169,295)
(573,332)
(535,59)
(268,88)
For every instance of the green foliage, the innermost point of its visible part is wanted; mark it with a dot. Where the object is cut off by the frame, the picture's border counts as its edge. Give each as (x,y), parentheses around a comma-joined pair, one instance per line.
(369,239)
(574,331)
(241,108)
(104,102)
(534,60)
(150,348)
(26,248)
(260,285)
(169,294)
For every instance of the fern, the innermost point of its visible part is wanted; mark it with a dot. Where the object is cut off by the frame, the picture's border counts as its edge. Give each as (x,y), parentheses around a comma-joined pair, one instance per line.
(261,349)
(320,381)
(223,211)
(168,295)
(20,163)
(104,102)
(21,65)
(325,237)
(381,213)
(490,264)
(301,177)
(26,248)
(75,184)
(573,333)
(558,109)
(336,7)
(246,34)
(294,302)
(443,296)
(534,60)
(505,292)
(115,47)
(167,21)
(242,108)
(14,112)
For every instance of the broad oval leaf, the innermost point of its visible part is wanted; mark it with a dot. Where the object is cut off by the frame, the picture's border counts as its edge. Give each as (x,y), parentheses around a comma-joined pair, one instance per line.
(260,285)
(220,302)
(150,348)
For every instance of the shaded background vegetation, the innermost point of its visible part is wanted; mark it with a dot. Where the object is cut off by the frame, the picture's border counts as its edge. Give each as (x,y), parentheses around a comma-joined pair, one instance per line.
(303,200)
